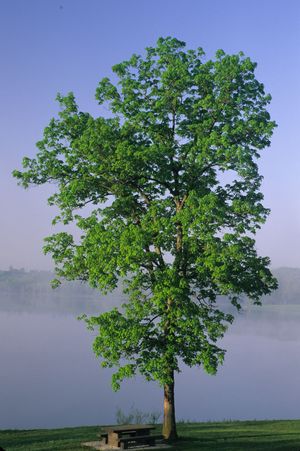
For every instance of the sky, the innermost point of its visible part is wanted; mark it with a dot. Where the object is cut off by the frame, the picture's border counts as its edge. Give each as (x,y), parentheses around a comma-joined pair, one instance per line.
(50,46)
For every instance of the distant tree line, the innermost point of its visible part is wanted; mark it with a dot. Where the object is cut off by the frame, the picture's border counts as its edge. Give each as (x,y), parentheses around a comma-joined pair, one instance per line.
(30,291)
(22,290)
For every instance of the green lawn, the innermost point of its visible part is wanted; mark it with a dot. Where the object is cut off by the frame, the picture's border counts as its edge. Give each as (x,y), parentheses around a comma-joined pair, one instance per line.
(225,436)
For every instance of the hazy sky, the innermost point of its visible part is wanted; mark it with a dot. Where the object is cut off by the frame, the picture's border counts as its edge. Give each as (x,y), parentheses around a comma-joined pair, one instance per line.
(48,46)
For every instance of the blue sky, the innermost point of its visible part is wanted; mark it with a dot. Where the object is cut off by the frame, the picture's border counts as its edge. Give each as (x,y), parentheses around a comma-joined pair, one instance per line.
(48,46)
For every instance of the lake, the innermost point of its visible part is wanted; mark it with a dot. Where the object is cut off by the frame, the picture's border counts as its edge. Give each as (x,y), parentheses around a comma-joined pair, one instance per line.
(50,378)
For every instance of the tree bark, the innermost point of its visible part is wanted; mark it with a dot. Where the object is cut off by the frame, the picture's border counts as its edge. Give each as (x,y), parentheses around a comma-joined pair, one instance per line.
(169,425)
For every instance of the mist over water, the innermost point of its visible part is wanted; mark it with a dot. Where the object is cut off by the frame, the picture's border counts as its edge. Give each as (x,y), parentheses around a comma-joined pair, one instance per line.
(50,378)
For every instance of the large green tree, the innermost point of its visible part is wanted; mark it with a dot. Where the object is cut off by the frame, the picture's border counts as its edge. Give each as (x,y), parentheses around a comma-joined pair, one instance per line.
(171,182)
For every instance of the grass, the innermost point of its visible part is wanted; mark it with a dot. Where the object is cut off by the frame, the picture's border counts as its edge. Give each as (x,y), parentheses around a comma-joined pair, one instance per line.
(225,436)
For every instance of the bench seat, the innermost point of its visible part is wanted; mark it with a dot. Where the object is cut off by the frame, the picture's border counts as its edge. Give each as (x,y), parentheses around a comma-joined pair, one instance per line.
(128,442)
(104,437)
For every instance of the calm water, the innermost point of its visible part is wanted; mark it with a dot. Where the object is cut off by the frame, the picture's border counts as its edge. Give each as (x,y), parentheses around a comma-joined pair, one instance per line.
(49,376)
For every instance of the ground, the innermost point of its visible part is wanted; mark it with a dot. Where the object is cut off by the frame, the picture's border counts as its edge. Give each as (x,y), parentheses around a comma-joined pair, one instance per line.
(224,436)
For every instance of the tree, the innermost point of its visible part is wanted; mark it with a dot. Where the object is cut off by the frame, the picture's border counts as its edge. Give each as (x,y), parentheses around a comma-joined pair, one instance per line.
(173,190)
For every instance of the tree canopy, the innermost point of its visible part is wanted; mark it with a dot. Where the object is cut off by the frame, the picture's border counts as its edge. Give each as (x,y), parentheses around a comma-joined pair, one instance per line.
(173,188)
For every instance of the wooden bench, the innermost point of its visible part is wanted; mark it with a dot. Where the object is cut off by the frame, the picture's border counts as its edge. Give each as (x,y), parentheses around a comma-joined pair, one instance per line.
(128,435)
(104,437)
(128,442)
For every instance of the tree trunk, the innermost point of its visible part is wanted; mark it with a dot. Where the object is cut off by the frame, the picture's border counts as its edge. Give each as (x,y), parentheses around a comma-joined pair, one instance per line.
(169,426)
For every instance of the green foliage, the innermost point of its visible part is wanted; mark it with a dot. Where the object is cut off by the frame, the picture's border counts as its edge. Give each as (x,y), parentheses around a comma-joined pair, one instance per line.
(173,190)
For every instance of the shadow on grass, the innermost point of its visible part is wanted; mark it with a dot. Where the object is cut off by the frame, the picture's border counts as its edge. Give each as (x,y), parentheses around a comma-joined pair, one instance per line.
(260,442)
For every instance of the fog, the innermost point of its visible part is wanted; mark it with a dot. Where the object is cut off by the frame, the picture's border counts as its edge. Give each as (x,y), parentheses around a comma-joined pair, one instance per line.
(50,378)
